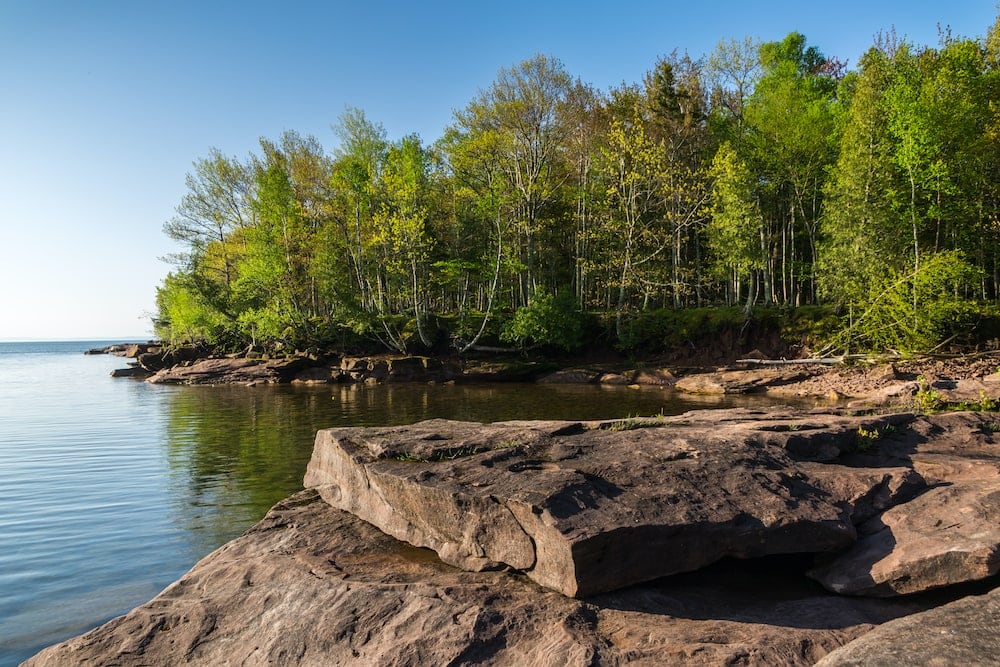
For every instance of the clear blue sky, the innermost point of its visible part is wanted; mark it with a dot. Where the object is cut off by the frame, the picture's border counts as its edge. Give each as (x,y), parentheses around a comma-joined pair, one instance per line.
(104,105)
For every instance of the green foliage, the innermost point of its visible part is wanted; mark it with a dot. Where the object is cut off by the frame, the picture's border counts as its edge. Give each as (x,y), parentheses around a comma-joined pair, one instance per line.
(657,331)
(984,404)
(548,320)
(184,315)
(763,174)
(913,312)
(736,225)
(865,439)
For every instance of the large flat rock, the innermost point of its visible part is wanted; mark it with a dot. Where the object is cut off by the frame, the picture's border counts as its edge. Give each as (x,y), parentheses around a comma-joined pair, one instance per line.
(310,585)
(586,508)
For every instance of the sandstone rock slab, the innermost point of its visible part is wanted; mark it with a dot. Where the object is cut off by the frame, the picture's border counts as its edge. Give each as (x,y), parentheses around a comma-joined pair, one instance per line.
(310,585)
(948,535)
(964,632)
(232,371)
(741,381)
(589,508)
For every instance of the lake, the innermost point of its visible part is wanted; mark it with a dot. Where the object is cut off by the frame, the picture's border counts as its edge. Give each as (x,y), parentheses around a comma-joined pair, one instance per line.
(110,489)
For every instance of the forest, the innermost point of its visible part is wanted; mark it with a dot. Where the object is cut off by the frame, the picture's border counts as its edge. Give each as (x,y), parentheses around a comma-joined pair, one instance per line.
(760,176)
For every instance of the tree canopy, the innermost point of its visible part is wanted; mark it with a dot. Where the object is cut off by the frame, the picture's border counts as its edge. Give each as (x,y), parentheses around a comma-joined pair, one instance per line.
(763,173)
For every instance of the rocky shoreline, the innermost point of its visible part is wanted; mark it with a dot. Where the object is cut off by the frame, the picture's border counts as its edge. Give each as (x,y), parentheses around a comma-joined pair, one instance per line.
(963,381)
(784,536)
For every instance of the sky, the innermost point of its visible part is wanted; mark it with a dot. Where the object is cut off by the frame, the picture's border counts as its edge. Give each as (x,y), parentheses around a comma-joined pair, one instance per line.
(105,105)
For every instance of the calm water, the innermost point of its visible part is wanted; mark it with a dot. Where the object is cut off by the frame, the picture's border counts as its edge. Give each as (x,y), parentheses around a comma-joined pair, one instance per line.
(112,488)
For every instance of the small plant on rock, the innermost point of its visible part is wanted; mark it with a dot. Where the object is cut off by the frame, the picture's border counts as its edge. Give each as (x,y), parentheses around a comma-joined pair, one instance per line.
(867,438)
(928,399)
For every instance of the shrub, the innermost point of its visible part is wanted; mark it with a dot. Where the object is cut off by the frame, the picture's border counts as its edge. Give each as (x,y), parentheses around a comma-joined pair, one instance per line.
(548,321)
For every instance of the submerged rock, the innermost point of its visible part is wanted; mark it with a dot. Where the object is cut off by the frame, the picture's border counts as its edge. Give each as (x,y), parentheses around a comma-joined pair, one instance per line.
(586,508)
(311,585)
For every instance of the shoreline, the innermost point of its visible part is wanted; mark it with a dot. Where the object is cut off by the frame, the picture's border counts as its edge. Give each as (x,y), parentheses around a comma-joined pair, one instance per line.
(879,383)
(313,583)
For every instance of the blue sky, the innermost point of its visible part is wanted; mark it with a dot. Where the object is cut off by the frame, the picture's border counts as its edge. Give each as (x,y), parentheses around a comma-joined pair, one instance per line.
(104,105)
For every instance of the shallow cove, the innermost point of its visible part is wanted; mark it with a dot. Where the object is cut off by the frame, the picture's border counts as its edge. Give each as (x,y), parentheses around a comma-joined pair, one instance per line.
(111,488)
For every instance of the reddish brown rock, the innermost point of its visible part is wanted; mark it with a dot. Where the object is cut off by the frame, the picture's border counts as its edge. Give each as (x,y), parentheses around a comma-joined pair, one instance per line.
(316,375)
(964,632)
(232,371)
(588,508)
(615,378)
(947,535)
(655,376)
(742,381)
(310,585)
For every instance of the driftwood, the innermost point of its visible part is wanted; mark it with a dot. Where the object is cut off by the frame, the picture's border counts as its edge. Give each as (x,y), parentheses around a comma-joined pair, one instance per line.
(868,358)
(786,362)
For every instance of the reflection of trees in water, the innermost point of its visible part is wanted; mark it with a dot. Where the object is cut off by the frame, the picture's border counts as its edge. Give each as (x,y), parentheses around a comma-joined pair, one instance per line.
(235,451)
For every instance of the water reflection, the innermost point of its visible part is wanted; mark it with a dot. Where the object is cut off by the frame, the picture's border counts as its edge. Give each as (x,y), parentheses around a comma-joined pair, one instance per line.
(232,452)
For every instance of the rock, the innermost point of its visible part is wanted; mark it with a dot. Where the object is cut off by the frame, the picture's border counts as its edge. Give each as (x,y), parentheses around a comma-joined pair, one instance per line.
(397,369)
(156,359)
(134,350)
(310,585)
(315,375)
(570,376)
(407,369)
(232,371)
(741,381)
(948,535)
(130,372)
(355,364)
(615,379)
(589,508)
(975,391)
(892,393)
(943,448)
(655,376)
(963,632)
(506,370)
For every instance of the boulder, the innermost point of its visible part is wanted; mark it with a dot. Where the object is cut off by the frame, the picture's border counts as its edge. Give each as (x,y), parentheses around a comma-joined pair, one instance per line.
(655,376)
(130,372)
(947,535)
(316,375)
(615,378)
(585,508)
(963,632)
(355,364)
(407,369)
(478,370)
(310,585)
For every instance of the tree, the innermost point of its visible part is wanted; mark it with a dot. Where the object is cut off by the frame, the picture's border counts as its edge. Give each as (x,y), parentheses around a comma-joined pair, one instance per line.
(631,234)
(217,206)
(736,230)
(522,113)
(676,102)
(792,143)
(732,71)
(400,239)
